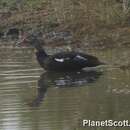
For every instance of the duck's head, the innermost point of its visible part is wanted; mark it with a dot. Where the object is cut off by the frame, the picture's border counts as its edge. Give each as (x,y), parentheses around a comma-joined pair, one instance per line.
(33,40)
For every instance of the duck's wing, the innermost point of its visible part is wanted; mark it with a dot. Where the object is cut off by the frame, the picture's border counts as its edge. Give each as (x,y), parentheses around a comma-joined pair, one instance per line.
(80,57)
(70,57)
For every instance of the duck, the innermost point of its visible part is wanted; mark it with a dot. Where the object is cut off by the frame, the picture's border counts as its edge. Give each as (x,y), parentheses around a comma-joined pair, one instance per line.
(61,61)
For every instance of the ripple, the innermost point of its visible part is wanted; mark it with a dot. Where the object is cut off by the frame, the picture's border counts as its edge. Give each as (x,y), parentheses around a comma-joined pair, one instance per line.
(18,74)
(13,65)
(17,82)
(21,77)
(22,70)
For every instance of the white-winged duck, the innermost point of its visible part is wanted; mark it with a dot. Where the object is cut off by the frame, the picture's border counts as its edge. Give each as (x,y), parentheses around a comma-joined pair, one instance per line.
(63,61)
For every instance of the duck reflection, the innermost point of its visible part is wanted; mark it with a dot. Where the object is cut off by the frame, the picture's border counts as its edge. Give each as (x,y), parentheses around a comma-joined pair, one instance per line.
(62,80)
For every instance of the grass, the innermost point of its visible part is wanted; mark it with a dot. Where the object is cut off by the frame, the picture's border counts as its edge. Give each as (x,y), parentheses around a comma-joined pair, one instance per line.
(84,18)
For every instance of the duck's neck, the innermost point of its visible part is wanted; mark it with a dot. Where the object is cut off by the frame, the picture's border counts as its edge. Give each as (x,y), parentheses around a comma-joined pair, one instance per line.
(40,52)
(41,56)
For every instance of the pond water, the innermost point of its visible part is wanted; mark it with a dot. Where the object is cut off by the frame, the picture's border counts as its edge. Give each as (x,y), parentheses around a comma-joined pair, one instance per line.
(32,99)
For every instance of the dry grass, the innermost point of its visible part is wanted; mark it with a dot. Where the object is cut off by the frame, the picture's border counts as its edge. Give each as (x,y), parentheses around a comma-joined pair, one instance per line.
(84,18)
(88,16)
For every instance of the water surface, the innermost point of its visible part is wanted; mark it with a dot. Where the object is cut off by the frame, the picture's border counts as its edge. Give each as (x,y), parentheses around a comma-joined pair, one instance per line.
(32,99)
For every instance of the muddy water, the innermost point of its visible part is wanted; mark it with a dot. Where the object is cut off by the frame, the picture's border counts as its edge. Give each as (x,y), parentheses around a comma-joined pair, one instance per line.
(32,99)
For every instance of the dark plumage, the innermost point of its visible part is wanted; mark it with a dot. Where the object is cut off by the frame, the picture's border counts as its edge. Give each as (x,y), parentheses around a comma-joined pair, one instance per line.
(1,34)
(63,61)
(13,33)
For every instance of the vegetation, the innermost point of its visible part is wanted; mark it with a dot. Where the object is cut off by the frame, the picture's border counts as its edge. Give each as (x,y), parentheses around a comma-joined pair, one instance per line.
(93,21)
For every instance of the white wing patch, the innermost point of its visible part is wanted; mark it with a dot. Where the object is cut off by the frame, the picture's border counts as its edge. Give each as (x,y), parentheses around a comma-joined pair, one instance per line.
(67,58)
(80,57)
(59,60)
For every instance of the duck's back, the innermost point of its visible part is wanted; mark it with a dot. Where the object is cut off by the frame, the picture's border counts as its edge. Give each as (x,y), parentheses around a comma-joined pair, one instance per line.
(67,61)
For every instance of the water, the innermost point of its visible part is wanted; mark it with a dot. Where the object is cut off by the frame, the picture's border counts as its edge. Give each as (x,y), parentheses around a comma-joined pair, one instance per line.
(32,99)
